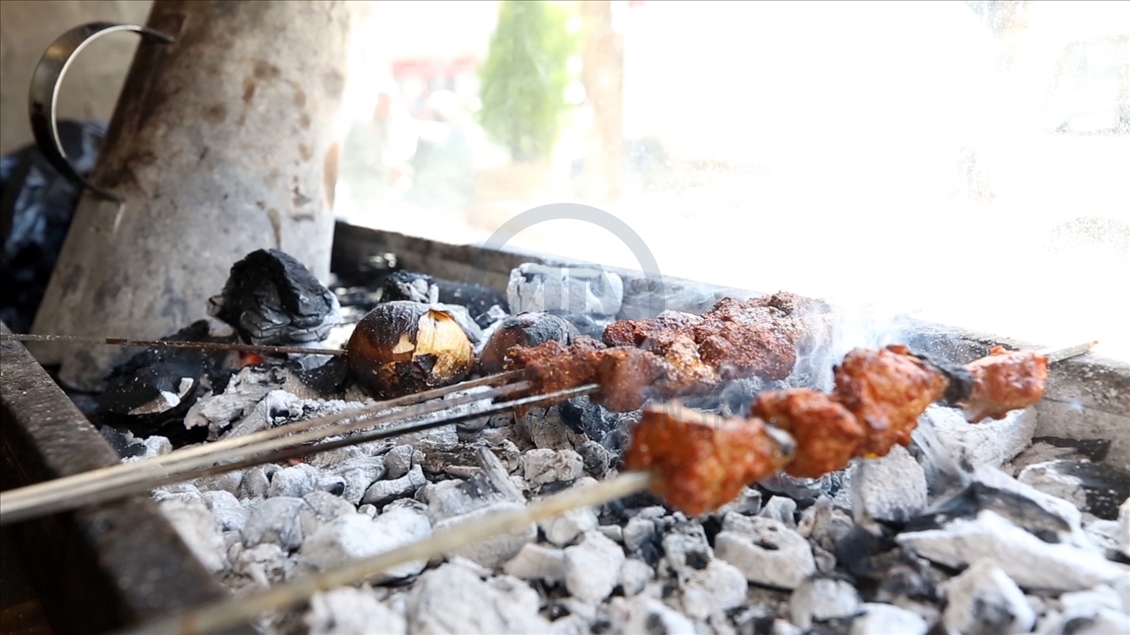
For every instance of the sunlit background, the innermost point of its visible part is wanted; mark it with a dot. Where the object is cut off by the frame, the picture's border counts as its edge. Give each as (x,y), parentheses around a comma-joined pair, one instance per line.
(964,162)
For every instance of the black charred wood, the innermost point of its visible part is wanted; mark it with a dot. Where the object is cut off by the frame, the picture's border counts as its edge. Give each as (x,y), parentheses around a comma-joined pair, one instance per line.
(271,298)
(418,287)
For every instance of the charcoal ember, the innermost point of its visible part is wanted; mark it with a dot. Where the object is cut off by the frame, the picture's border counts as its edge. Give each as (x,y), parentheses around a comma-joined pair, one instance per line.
(646,297)
(583,290)
(495,551)
(821,598)
(983,599)
(804,490)
(330,378)
(650,615)
(592,568)
(1030,561)
(884,619)
(271,298)
(1094,488)
(151,392)
(634,576)
(891,488)
(586,325)
(420,287)
(766,551)
(124,443)
(592,420)
(353,536)
(352,610)
(526,331)
(990,442)
(453,599)
(36,207)
(780,509)
(537,562)
(196,526)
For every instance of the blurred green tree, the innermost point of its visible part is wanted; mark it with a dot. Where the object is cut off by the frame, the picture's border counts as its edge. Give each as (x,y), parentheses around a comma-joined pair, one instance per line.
(524,78)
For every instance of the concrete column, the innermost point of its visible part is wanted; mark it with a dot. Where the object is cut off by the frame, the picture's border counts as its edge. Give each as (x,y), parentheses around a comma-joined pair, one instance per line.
(222,143)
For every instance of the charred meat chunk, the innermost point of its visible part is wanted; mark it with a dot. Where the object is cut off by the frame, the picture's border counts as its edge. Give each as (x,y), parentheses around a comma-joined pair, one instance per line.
(1004,380)
(827,435)
(886,390)
(698,461)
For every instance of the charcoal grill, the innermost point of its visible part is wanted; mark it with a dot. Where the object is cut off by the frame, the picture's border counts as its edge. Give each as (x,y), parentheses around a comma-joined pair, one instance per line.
(122,559)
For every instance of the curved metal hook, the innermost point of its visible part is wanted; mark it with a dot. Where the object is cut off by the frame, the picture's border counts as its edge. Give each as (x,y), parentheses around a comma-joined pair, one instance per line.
(44,92)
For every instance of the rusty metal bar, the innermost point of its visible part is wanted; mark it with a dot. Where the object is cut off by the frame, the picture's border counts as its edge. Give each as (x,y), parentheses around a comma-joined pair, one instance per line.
(102,568)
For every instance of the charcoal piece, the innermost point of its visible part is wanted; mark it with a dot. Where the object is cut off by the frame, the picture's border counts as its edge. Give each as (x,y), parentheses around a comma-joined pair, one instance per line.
(859,551)
(125,445)
(1095,488)
(1093,449)
(420,287)
(36,207)
(592,420)
(978,496)
(271,298)
(584,324)
(151,392)
(369,271)
(329,378)
(646,297)
(589,290)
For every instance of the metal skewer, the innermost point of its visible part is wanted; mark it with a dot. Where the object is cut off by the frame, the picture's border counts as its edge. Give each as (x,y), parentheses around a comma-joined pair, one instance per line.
(1054,355)
(205,346)
(272,450)
(227,613)
(215,448)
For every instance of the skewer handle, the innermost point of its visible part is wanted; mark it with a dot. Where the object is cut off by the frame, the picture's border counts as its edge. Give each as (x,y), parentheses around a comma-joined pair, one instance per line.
(1054,355)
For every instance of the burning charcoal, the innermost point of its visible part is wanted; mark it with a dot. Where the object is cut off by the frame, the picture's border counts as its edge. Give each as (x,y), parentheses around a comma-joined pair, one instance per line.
(266,564)
(196,526)
(1093,487)
(595,456)
(271,298)
(634,576)
(891,488)
(294,481)
(225,507)
(537,562)
(125,444)
(184,492)
(780,509)
(585,290)
(990,442)
(359,473)
(649,615)
(1031,562)
(823,598)
(983,599)
(398,461)
(526,330)
(153,390)
(638,533)
(884,619)
(352,536)
(352,610)
(803,490)
(418,287)
(717,587)
(766,551)
(497,550)
(592,568)
(256,481)
(384,492)
(453,599)
(275,520)
(563,529)
(405,347)
(1124,527)
(550,466)
(648,297)
(615,533)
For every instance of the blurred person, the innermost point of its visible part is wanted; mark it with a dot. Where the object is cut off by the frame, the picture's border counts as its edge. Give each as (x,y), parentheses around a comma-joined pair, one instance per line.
(376,153)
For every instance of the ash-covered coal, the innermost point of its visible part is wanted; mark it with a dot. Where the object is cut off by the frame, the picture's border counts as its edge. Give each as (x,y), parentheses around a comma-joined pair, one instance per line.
(150,393)
(271,298)
(478,299)
(583,290)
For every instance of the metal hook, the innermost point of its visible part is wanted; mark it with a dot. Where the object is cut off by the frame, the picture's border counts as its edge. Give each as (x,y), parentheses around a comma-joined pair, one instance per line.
(44,92)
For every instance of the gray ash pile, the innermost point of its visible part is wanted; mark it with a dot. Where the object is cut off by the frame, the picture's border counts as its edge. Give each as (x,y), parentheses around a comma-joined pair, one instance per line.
(967,530)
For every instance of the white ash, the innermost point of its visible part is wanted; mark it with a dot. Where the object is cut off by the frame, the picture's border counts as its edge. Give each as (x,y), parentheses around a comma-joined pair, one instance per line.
(493,552)
(765,550)
(823,598)
(592,568)
(350,610)
(780,509)
(537,562)
(983,599)
(887,619)
(891,488)
(1124,527)
(991,442)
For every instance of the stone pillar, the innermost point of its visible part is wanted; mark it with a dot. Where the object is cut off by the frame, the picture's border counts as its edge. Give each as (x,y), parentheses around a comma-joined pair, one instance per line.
(222,143)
